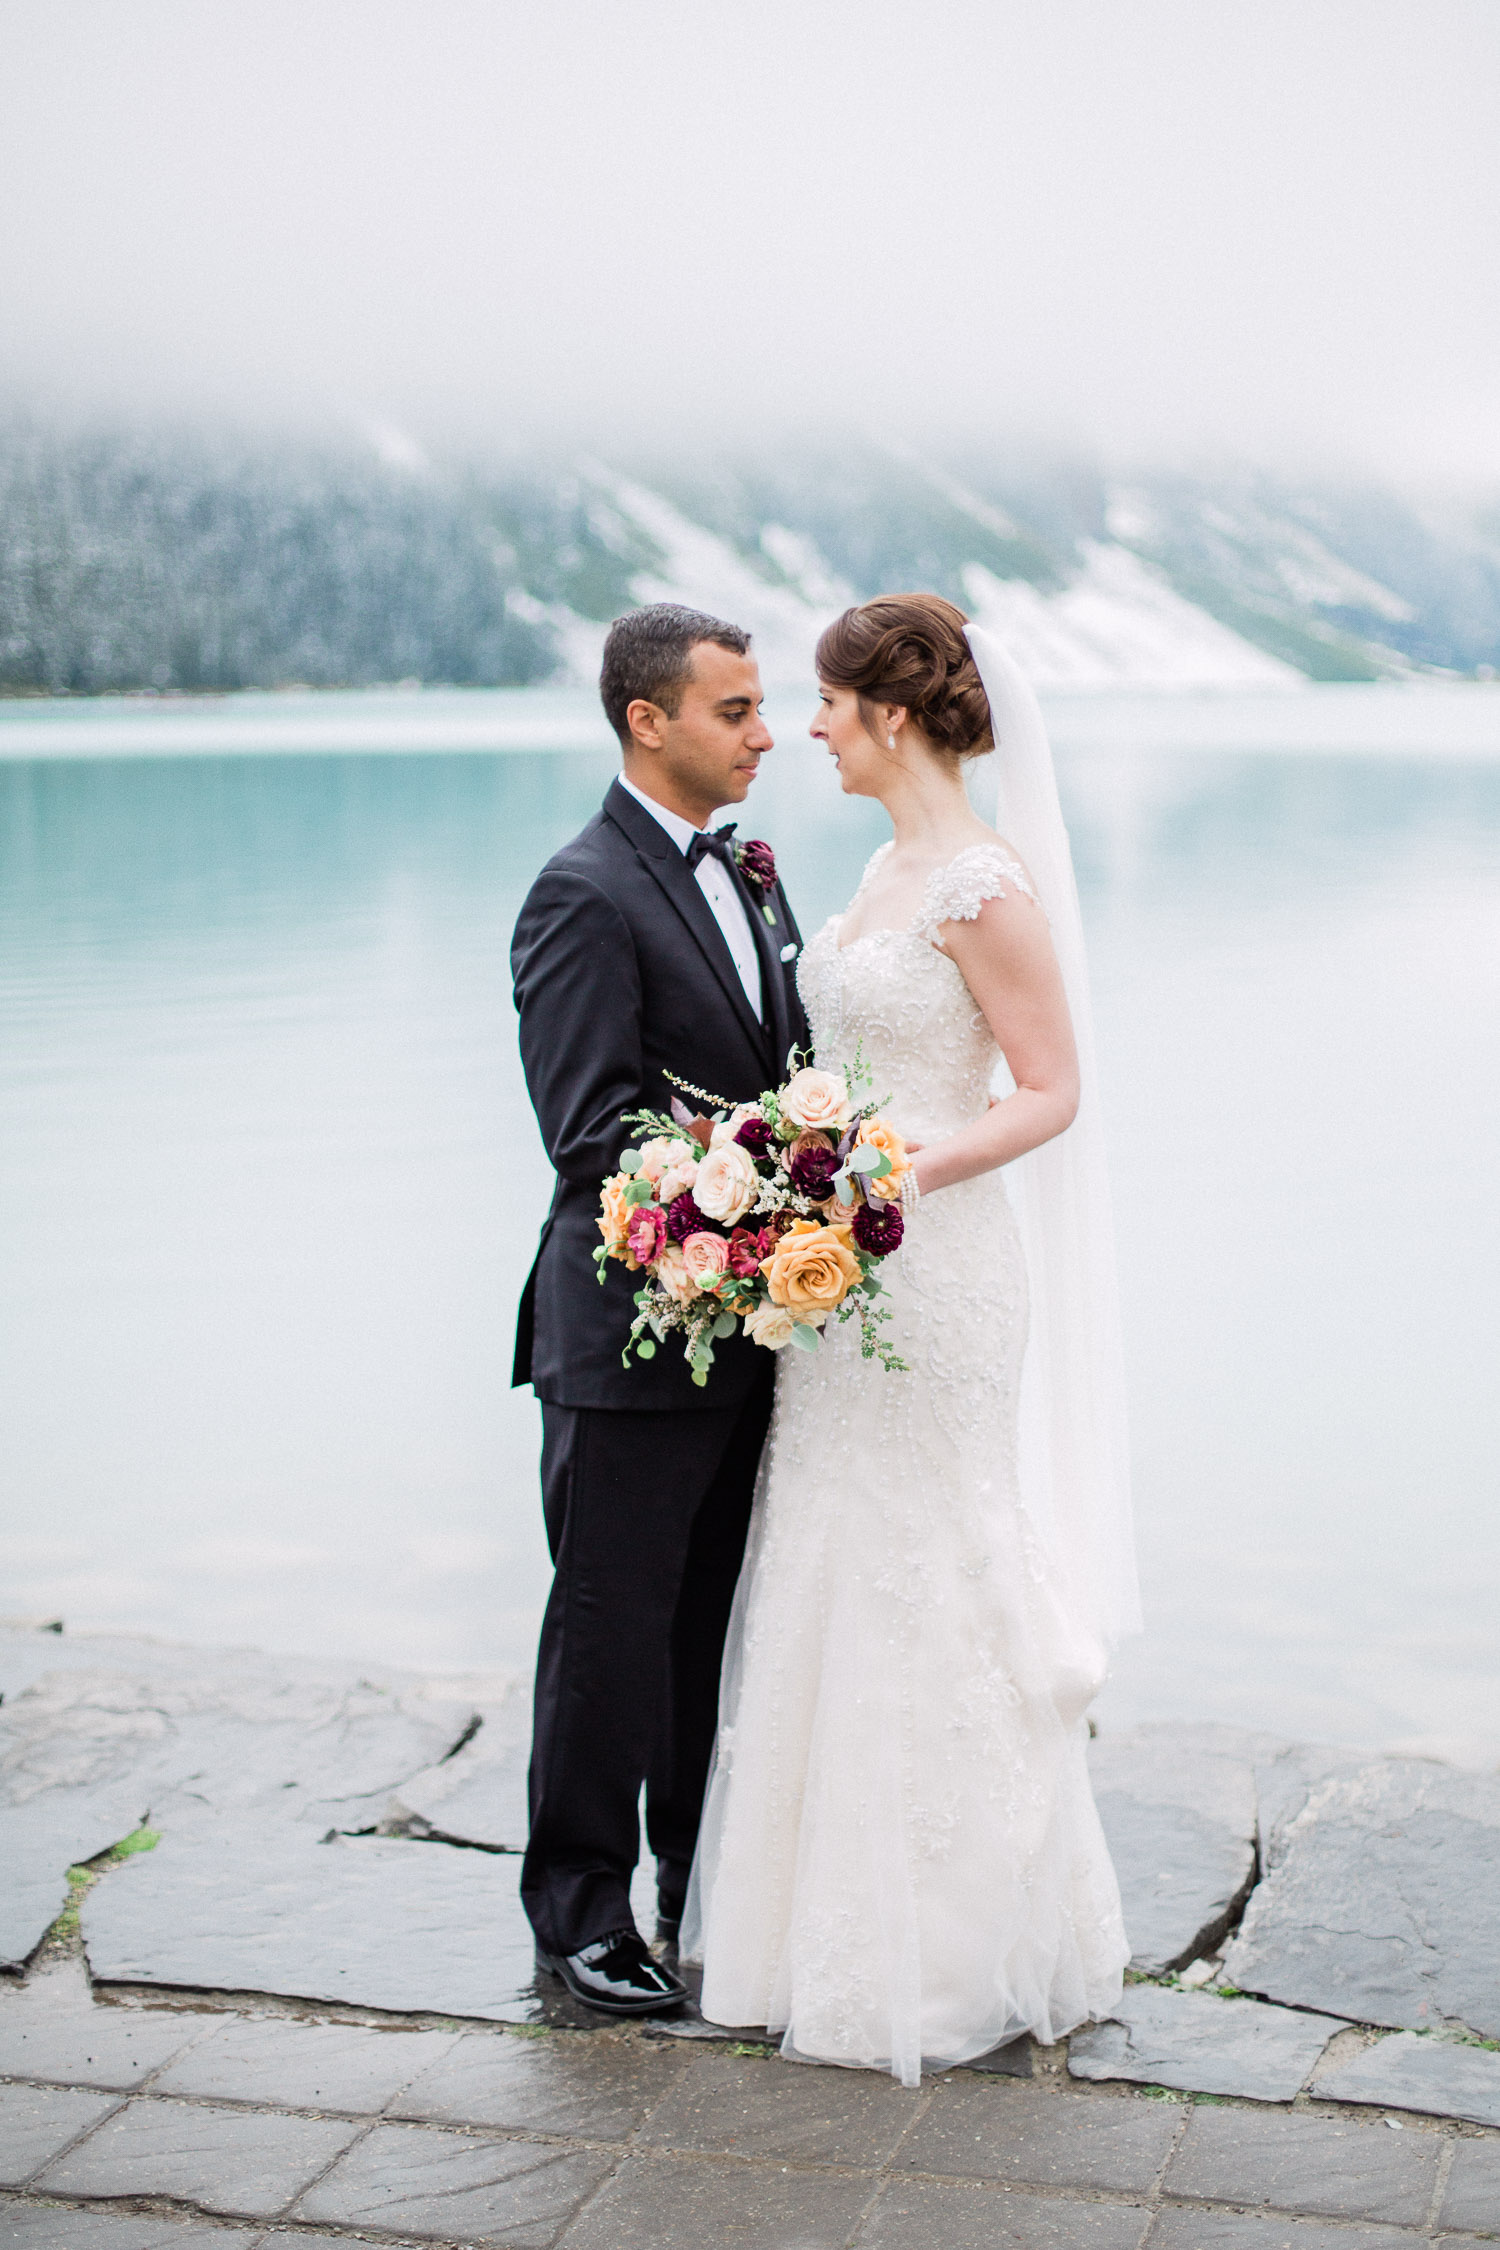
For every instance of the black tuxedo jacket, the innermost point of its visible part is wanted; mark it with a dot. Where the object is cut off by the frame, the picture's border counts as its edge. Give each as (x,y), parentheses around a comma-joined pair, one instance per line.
(622,973)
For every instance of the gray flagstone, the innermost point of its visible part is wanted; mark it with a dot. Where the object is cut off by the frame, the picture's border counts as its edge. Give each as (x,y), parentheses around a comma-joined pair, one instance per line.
(1384,1905)
(1178,1806)
(1202,2044)
(1439,2077)
(414,1928)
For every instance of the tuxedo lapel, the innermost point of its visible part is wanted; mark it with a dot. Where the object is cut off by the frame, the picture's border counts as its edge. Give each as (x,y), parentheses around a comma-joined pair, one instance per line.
(769,936)
(669,869)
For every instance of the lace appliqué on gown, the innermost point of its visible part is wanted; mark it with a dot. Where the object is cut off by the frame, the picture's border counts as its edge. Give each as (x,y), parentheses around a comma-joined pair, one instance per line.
(900,1860)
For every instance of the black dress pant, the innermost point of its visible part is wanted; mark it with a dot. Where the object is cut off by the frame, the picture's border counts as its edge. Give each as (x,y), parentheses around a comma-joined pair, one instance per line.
(646,1519)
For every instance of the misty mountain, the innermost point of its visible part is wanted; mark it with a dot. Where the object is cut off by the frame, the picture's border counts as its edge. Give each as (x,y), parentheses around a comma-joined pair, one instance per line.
(146,559)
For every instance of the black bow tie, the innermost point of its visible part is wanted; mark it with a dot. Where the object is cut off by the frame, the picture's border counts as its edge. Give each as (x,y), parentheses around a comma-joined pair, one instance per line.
(718,841)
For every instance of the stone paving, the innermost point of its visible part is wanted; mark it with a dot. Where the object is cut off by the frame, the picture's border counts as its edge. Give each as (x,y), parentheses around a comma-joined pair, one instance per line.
(140,2126)
(308,2012)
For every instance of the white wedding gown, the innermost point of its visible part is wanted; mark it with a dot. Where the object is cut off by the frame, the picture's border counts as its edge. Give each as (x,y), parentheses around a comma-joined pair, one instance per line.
(900,1861)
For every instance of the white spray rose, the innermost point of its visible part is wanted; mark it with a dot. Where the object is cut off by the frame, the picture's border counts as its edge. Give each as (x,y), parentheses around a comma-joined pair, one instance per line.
(770,1325)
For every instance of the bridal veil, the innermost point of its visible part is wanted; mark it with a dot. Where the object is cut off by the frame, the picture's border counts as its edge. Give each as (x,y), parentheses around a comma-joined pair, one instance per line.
(1074,1458)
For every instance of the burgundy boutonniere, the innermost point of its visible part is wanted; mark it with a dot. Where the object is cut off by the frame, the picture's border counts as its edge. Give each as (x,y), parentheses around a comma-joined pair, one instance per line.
(757,863)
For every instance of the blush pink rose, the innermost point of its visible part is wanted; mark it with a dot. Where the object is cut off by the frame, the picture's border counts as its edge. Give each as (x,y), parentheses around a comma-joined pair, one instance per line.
(679,1170)
(817,1098)
(654,1156)
(706,1256)
(672,1273)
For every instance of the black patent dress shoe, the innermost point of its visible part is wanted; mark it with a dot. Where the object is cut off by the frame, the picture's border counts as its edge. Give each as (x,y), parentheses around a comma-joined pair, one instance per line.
(616,1975)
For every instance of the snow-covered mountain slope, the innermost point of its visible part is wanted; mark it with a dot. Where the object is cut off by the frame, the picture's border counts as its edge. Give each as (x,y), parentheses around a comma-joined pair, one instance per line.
(1119,623)
(146,558)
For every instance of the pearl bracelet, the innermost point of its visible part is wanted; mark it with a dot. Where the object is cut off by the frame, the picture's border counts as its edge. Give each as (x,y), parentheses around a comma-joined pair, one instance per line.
(911,1194)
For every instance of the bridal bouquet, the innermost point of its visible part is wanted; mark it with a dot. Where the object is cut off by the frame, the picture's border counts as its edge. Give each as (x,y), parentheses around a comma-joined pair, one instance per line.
(775,1212)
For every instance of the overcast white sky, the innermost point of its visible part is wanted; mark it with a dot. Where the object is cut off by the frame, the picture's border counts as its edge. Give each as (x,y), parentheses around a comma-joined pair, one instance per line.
(1154,224)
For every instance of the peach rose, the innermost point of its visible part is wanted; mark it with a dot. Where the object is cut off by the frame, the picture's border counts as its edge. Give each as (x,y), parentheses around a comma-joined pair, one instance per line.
(706,1256)
(672,1273)
(770,1325)
(726,1183)
(614,1215)
(818,1098)
(812,1269)
(875,1133)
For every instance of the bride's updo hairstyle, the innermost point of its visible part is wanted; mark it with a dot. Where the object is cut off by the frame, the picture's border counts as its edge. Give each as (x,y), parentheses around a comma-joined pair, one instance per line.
(910,649)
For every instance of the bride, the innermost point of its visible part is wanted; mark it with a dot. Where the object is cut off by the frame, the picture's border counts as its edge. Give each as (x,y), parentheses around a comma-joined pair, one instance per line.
(900,1862)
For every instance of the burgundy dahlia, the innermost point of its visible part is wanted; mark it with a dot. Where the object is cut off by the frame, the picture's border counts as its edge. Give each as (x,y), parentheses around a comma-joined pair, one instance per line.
(757,863)
(878,1228)
(685,1218)
(754,1135)
(811,1171)
(745,1253)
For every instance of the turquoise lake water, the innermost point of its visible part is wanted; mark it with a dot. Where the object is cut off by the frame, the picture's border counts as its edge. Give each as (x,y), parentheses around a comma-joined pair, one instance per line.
(269,1184)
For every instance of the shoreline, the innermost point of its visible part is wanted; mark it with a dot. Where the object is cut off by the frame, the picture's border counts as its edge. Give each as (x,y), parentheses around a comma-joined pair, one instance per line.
(1425,718)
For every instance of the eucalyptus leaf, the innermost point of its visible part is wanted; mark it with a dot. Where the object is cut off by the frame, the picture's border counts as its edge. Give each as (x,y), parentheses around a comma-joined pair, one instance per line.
(844,1189)
(638,1192)
(645,1348)
(630,1160)
(724,1325)
(879,1171)
(806,1337)
(867,1159)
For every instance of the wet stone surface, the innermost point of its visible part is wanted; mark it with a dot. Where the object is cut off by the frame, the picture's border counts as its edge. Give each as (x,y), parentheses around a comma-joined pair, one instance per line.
(38,2122)
(1429,2075)
(1343,2168)
(303,2065)
(239,2163)
(292,2041)
(416,2180)
(1041,2138)
(43,2226)
(1472,2198)
(398,1926)
(478,1793)
(1385,1903)
(921,2215)
(1202,2044)
(587,2088)
(50,2029)
(1178,1806)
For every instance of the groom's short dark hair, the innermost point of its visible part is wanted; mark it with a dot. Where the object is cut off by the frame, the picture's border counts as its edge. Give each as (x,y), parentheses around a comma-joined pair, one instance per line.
(648,654)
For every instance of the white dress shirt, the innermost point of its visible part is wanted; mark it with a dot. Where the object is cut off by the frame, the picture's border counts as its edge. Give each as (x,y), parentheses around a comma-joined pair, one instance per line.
(726,903)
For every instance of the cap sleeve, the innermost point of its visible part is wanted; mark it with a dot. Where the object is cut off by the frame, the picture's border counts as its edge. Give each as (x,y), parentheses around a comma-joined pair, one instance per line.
(955,893)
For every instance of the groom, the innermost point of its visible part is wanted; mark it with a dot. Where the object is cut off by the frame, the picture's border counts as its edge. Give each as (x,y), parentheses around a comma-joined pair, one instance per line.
(644,947)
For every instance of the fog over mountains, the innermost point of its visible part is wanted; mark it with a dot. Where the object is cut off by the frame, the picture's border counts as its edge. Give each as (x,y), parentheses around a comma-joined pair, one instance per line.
(139,559)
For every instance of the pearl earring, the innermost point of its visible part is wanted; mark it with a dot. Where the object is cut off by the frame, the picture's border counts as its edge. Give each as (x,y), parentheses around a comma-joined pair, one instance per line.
(890,742)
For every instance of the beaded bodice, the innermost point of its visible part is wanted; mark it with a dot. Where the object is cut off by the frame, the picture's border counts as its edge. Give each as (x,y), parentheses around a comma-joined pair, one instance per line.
(906,1004)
